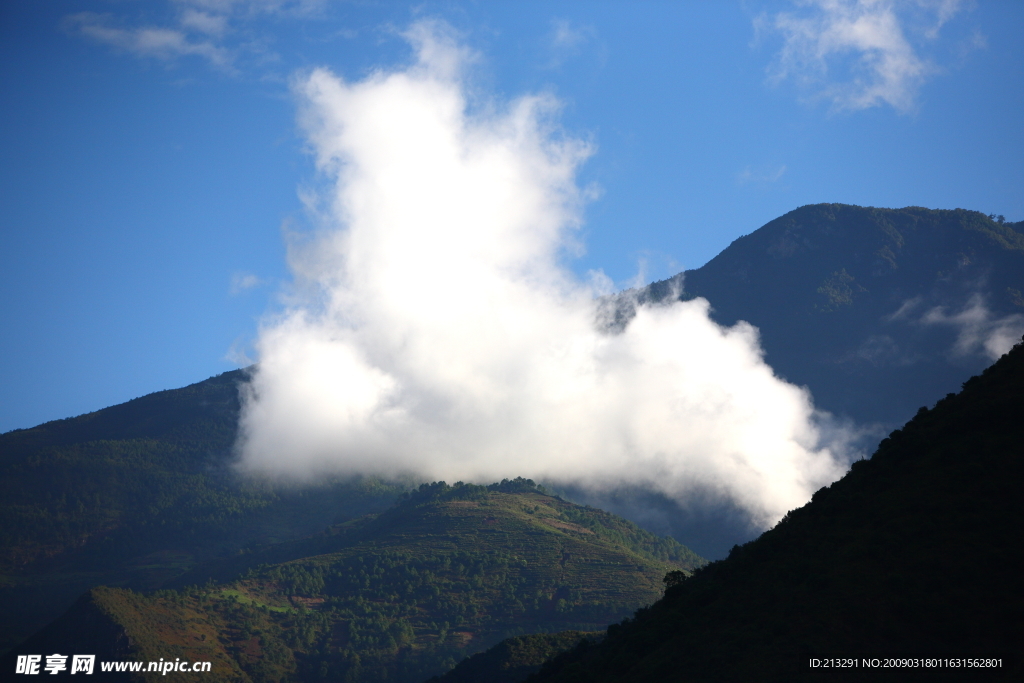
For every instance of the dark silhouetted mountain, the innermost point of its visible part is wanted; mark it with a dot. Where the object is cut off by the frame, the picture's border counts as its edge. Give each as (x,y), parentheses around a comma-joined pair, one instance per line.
(914,553)
(448,571)
(513,659)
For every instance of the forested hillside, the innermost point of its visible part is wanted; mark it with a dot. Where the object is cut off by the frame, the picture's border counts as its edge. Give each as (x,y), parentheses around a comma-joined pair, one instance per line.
(914,553)
(448,571)
(138,493)
(515,658)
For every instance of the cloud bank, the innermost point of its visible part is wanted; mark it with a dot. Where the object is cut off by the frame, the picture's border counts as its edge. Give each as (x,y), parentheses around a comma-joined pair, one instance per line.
(858,53)
(433,330)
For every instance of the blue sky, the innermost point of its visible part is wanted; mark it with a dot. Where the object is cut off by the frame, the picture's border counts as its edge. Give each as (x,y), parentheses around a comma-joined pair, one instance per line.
(151,156)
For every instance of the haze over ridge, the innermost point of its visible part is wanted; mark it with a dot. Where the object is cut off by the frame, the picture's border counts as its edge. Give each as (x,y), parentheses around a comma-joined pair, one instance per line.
(433,331)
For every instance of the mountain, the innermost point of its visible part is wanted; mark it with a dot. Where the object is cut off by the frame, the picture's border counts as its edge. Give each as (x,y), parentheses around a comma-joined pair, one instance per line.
(915,553)
(136,494)
(877,311)
(448,571)
(143,495)
(515,658)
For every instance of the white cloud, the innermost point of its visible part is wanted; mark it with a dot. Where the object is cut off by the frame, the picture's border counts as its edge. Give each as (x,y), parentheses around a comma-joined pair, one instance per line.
(161,43)
(566,36)
(977,330)
(761,175)
(905,310)
(254,7)
(567,41)
(241,282)
(211,24)
(976,41)
(858,53)
(194,28)
(239,353)
(432,330)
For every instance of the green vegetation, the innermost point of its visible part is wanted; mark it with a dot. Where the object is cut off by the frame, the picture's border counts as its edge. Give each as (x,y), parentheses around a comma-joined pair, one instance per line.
(914,553)
(513,659)
(136,494)
(838,291)
(446,572)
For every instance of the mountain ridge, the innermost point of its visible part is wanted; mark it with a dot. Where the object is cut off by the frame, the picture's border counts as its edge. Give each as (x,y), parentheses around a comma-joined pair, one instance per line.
(828,286)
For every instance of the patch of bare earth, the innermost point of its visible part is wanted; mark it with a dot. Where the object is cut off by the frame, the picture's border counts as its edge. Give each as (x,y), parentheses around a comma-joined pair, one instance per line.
(568,526)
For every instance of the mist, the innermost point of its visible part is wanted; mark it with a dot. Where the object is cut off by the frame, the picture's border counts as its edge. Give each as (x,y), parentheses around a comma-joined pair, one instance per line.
(978,330)
(433,328)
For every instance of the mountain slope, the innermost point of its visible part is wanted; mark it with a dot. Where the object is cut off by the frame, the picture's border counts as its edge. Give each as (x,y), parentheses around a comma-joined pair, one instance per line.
(447,572)
(915,552)
(876,310)
(513,659)
(138,493)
